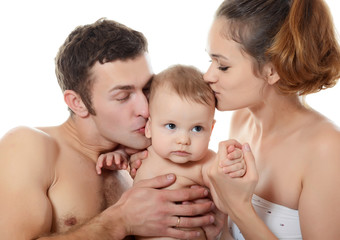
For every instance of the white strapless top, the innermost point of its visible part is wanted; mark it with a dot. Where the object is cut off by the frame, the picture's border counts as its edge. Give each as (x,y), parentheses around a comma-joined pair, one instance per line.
(282,221)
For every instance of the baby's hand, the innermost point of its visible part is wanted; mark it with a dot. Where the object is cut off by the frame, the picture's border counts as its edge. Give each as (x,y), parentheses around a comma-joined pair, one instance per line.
(234,165)
(117,160)
(136,161)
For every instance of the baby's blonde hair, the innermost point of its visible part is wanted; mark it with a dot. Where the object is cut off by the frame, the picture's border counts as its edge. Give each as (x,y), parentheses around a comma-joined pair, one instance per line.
(186,81)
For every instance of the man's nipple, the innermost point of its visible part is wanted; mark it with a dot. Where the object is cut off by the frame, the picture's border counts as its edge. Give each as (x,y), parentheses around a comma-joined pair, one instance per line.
(71,221)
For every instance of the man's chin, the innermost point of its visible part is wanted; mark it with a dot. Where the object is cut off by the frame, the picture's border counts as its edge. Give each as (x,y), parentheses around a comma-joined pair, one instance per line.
(139,143)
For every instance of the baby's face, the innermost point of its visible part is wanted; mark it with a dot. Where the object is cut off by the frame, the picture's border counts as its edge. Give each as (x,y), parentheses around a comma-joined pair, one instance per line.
(179,129)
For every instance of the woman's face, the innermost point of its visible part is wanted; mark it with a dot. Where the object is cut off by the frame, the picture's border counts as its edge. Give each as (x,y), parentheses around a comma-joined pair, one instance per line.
(230,73)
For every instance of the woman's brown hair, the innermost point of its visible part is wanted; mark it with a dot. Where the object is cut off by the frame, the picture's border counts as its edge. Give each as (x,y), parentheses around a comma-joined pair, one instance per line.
(297,36)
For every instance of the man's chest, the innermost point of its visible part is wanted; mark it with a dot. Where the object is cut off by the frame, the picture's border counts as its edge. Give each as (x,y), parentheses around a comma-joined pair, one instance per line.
(76,198)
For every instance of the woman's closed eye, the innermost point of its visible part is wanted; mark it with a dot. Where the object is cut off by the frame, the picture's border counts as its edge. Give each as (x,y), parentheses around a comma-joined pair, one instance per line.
(223,68)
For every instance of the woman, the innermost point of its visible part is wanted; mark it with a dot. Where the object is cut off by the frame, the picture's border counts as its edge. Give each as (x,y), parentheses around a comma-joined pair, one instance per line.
(265,55)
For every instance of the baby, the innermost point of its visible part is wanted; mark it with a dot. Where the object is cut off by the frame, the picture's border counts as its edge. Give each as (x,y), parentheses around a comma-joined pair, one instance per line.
(182,108)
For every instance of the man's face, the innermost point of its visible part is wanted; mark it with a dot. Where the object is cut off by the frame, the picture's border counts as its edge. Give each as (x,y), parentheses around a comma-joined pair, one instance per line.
(119,100)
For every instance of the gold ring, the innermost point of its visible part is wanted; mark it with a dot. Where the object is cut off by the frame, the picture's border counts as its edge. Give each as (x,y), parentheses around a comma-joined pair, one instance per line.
(178,222)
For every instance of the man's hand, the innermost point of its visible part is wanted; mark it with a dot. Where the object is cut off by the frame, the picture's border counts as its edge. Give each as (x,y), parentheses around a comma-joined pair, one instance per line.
(148,210)
(213,230)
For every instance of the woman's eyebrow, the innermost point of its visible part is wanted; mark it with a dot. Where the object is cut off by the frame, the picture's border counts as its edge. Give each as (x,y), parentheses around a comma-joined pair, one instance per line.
(218,56)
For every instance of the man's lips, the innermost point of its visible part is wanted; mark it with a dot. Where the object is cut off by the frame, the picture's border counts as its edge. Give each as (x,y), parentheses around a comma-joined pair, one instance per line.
(141,130)
(216,92)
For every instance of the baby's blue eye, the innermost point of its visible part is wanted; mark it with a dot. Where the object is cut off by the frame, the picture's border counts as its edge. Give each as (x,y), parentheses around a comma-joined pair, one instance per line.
(197,129)
(170,126)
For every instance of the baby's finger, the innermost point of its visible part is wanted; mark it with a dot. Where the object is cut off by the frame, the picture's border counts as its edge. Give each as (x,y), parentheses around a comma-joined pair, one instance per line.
(109,159)
(117,159)
(133,173)
(227,162)
(230,148)
(125,163)
(239,173)
(233,168)
(136,164)
(99,170)
(237,153)
(99,165)
(138,156)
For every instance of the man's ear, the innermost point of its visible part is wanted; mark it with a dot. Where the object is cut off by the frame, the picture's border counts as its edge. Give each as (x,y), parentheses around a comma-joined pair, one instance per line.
(148,128)
(271,74)
(74,102)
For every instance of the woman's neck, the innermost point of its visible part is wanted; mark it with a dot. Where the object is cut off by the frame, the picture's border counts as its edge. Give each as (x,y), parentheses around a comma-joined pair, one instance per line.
(275,114)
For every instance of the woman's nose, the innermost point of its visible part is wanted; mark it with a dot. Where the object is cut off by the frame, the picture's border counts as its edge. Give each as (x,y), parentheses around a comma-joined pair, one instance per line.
(210,76)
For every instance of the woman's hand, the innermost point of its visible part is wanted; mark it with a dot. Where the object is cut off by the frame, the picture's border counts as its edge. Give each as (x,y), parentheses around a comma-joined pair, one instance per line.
(230,194)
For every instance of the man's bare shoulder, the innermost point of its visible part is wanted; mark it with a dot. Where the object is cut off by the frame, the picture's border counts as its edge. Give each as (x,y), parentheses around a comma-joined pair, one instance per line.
(23,131)
(27,160)
(27,137)
(30,146)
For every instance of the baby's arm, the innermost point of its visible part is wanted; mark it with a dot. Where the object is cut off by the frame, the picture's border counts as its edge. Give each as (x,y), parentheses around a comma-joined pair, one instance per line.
(116,160)
(234,164)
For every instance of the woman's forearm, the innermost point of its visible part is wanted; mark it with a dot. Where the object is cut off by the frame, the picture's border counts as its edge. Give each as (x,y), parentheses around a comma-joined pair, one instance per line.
(250,224)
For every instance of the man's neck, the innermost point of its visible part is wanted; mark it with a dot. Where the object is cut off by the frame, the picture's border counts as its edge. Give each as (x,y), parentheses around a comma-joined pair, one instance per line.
(84,139)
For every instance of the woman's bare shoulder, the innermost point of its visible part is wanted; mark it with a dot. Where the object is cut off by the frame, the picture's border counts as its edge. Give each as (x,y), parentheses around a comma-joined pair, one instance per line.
(323,138)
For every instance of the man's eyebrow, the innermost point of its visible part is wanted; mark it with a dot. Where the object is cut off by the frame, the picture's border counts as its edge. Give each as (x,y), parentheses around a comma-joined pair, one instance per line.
(122,87)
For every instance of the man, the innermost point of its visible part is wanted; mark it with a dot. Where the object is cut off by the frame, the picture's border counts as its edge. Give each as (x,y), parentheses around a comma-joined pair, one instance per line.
(48,183)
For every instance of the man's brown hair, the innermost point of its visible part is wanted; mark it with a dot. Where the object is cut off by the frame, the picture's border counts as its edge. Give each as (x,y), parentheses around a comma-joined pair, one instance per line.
(103,41)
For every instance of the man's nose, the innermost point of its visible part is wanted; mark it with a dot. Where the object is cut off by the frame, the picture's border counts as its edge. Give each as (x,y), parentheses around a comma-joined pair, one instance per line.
(143,107)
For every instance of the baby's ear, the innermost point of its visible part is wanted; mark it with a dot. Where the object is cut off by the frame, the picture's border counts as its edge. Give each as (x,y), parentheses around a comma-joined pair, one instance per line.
(74,102)
(148,128)
(212,126)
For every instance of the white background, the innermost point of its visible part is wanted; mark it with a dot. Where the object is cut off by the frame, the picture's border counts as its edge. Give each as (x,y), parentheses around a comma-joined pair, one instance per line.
(32,31)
